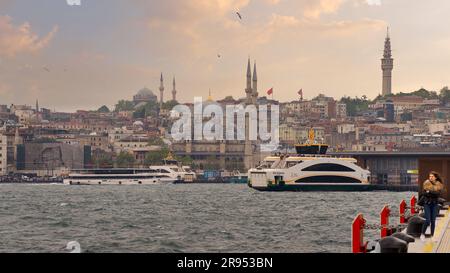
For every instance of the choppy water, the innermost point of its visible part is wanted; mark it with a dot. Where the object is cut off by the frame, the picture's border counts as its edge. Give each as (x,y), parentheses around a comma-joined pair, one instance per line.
(181,218)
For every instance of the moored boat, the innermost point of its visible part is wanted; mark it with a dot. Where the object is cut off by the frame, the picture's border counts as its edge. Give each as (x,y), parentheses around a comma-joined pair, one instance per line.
(309,170)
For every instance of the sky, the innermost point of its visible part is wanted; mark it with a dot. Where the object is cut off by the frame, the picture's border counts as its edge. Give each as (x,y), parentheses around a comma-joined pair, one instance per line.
(83,57)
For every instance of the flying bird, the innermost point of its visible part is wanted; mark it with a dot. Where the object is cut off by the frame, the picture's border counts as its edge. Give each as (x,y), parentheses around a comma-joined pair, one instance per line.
(219,56)
(46,69)
(239,15)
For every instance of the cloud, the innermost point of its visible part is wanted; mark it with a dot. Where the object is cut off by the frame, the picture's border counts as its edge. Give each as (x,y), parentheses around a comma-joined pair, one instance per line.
(16,40)
(315,8)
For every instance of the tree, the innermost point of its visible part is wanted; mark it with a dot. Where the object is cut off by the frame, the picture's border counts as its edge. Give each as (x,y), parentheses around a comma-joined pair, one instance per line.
(156,157)
(156,142)
(444,95)
(124,105)
(103,109)
(186,161)
(125,160)
(101,159)
(149,109)
(169,105)
(356,105)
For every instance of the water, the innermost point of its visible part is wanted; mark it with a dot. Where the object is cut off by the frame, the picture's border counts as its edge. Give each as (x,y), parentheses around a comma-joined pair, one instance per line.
(182,218)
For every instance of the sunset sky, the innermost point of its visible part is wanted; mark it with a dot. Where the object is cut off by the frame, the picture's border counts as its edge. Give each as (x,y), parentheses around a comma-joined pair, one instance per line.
(72,57)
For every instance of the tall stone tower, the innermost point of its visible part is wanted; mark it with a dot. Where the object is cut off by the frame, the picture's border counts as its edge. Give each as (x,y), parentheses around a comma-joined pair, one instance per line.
(174,91)
(248,89)
(255,86)
(161,90)
(387,65)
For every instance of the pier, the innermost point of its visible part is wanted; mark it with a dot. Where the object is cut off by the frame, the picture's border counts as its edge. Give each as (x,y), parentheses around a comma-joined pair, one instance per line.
(439,243)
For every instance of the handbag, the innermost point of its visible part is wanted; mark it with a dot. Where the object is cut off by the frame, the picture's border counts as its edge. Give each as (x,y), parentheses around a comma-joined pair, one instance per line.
(421,201)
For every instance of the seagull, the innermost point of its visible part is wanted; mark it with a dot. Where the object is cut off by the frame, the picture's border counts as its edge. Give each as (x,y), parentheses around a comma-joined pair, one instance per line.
(239,15)
(74,246)
(219,56)
(46,69)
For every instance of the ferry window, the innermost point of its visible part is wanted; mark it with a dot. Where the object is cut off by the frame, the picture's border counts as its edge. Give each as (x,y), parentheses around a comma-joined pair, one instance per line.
(328,167)
(267,164)
(292,163)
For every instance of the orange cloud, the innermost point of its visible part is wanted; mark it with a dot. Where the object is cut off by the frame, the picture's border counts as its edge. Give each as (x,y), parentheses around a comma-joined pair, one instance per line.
(20,39)
(318,7)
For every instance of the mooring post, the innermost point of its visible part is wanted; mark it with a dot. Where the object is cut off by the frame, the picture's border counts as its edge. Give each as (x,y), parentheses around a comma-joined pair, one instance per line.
(402,211)
(358,244)
(384,221)
(413,204)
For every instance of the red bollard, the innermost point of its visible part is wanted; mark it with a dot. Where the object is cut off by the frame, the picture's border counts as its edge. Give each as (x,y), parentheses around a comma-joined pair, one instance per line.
(402,212)
(413,204)
(384,221)
(358,244)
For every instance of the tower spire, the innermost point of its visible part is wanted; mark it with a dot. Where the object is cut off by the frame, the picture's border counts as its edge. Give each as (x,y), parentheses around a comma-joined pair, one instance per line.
(255,85)
(248,89)
(387,65)
(161,90)
(174,91)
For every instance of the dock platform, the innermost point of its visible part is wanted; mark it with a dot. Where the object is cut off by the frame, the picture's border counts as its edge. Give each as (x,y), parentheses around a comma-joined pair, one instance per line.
(440,243)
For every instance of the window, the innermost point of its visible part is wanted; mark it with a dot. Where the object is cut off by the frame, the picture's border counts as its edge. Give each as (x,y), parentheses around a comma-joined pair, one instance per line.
(328,167)
(328,179)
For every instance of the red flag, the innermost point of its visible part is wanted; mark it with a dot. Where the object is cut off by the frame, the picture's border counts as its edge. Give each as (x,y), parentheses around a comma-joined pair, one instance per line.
(270,92)
(300,93)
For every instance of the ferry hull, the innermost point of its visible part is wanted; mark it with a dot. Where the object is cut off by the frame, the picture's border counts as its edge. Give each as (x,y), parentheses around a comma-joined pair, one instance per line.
(117,182)
(319,187)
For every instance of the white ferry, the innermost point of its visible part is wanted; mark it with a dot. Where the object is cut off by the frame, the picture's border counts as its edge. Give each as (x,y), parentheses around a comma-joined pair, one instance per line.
(172,169)
(118,177)
(309,170)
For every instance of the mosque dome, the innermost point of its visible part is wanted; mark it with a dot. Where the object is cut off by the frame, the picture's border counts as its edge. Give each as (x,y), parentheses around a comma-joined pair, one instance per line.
(145,95)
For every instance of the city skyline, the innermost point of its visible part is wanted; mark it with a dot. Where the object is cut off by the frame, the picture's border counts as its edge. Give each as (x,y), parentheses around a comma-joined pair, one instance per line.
(108,50)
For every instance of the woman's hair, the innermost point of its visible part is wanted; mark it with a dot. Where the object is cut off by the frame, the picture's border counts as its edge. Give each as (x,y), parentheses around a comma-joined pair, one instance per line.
(437,175)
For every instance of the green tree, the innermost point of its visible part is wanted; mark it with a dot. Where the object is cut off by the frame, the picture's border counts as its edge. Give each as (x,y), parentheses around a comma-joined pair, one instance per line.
(156,142)
(102,159)
(356,105)
(156,157)
(125,160)
(169,105)
(186,161)
(149,109)
(103,109)
(124,105)
(444,95)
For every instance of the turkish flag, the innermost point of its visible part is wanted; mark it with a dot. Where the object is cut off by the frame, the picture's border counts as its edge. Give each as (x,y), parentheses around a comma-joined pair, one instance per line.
(270,92)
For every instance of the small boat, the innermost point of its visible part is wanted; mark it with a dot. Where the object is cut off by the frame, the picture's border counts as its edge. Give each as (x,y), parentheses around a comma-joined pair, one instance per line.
(310,169)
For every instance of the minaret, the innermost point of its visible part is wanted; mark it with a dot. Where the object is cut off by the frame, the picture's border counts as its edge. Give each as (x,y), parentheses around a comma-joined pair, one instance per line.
(248,90)
(161,90)
(174,91)
(37,106)
(387,65)
(255,85)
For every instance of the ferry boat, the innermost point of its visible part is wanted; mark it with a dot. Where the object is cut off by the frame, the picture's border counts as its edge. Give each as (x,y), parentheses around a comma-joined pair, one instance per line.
(173,169)
(309,170)
(118,177)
